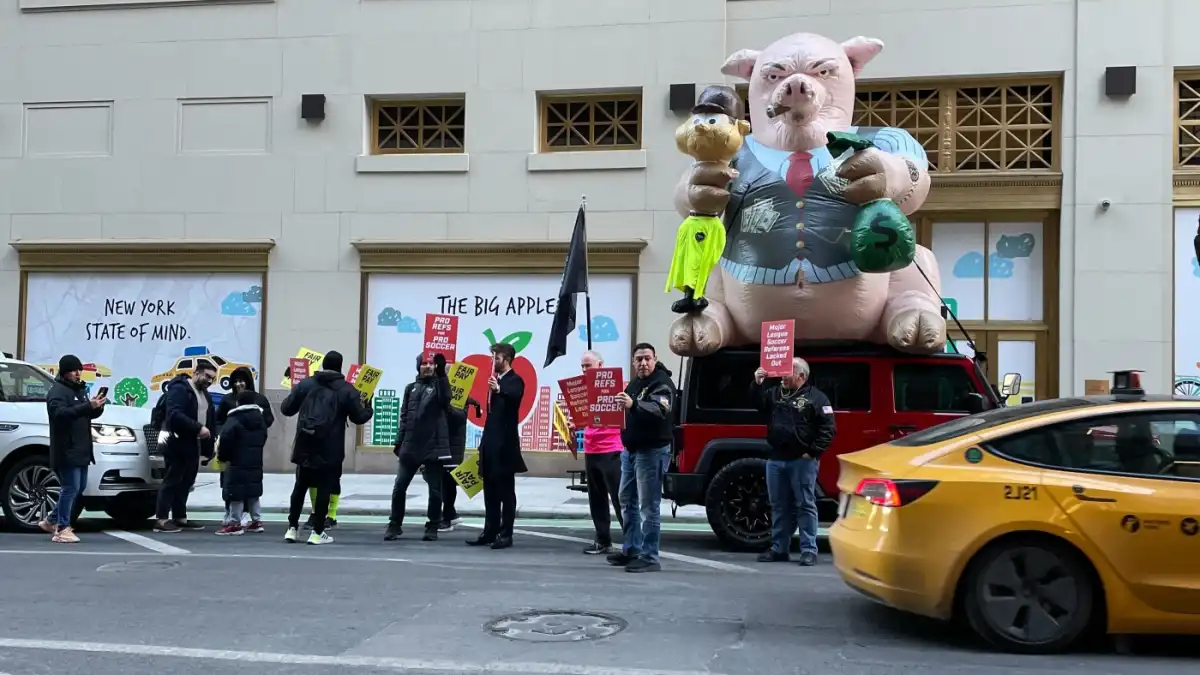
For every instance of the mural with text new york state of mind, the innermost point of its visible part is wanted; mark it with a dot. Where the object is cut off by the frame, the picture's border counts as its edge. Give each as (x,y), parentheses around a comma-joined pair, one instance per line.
(516,309)
(135,332)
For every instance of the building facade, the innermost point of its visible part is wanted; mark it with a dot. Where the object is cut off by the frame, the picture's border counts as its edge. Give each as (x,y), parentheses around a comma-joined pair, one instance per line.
(238,181)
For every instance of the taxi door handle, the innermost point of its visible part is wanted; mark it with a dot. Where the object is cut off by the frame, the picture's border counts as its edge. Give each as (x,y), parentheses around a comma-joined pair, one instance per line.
(1079,494)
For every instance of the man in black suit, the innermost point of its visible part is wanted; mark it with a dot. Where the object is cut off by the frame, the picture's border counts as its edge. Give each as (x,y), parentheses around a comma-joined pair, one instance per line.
(500,450)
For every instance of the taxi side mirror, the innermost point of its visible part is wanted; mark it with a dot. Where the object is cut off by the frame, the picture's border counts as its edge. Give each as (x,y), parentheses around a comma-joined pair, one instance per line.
(1010,385)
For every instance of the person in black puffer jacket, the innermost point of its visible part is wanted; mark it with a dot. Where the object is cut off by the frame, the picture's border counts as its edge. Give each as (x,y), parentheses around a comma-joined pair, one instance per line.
(423,441)
(70,412)
(240,447)
(799,428)
(242,379)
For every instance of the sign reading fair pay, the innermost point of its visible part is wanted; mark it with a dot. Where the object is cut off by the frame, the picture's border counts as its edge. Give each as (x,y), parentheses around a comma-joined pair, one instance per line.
(777,346)
(441,336)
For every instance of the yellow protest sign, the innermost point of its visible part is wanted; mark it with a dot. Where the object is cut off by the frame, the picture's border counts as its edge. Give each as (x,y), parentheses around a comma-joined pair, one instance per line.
(462,376)
(467,475)
(366,380)
(314,360)
(560,425)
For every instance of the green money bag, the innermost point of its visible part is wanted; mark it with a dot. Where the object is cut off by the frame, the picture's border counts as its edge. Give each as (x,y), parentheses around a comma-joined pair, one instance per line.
(882,239)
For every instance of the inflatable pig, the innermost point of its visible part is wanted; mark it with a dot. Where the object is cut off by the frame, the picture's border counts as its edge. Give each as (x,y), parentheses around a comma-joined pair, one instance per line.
(790,208)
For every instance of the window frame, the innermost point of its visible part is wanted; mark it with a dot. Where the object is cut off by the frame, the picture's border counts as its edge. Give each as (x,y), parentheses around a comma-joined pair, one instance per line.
(989,444)
(375,104)
(966,377)
(547,99)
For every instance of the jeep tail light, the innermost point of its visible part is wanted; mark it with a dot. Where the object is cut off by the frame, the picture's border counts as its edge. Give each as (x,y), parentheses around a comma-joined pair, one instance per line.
(885,492)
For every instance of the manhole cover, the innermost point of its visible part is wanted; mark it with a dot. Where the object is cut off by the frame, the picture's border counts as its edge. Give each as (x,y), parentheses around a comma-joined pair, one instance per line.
(556,626)
(139,566)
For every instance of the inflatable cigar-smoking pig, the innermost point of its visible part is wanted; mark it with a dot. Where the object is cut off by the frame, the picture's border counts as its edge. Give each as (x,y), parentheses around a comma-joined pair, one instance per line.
(711,136)
(813,231)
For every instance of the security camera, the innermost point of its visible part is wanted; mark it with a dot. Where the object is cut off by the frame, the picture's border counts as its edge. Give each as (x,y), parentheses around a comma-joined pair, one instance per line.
(1105,204)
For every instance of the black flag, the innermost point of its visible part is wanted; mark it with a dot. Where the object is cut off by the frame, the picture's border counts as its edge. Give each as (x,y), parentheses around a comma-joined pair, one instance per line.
(574,281)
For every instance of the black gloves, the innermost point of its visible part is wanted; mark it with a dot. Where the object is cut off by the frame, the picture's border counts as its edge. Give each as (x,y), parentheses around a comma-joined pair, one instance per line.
(472,403)
(439,364)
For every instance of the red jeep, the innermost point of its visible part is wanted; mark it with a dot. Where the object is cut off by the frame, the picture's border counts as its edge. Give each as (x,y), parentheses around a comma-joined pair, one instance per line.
(878,394)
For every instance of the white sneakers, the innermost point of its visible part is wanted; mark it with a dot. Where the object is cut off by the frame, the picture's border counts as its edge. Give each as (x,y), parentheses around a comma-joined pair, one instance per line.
(315,539)
(290,535)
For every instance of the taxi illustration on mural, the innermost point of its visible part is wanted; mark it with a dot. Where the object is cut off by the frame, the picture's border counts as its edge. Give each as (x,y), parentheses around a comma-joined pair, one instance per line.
(192,356)
(1035,524)
(91,371)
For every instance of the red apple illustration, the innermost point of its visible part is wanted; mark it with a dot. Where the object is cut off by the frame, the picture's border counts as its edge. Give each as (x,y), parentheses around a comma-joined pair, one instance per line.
(521,366)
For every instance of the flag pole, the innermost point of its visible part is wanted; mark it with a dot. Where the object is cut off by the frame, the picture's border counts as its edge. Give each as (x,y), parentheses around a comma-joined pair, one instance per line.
(587,296)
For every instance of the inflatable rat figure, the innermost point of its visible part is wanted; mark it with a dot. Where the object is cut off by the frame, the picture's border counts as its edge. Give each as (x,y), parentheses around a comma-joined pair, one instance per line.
(792,205)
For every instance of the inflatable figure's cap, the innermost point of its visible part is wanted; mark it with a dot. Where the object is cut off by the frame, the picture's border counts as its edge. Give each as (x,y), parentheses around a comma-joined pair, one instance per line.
(719,99)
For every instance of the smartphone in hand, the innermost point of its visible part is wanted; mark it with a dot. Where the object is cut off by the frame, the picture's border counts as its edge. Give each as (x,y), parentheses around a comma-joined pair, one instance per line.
(103,392)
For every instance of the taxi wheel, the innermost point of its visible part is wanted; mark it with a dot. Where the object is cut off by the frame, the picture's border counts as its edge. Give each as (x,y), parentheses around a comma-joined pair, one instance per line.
(1031,596)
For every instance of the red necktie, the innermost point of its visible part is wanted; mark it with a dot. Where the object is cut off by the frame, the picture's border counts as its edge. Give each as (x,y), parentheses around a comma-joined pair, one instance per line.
(799,173)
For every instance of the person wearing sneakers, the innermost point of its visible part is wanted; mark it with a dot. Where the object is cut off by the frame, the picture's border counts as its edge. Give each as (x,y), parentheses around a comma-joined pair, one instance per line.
(190,423)
(602,465)
(240,448)
(70,412)
(799,428)
(322,404)
(422,442)
(242,379)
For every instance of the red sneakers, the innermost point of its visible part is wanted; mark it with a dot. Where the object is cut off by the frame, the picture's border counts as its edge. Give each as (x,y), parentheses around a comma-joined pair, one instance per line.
(255,527)
(231,531)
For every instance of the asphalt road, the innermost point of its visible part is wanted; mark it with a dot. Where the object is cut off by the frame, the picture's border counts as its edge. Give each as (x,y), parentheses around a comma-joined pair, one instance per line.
(193,603)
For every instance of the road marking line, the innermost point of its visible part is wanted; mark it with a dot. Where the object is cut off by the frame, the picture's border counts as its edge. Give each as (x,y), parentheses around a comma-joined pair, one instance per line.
(147,542)
(379,663)
(702,562)
(261,556)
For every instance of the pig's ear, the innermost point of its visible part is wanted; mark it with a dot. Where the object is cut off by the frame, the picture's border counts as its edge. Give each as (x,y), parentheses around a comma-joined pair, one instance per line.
(860,50)
(740,64)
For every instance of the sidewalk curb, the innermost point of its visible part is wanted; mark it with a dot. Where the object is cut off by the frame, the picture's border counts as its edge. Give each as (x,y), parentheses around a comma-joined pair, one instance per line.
(531,514)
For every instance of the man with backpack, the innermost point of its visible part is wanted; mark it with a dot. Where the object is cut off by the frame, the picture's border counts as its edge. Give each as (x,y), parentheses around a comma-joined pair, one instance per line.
(322,404)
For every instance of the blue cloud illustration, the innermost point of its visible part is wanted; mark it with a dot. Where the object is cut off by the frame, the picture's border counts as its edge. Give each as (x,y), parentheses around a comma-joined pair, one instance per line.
(407,324)
(254,295)
(1015,245)
(1196,267)
(1000,268)
(388,317)
(235,305)
(970,266)
(605,330)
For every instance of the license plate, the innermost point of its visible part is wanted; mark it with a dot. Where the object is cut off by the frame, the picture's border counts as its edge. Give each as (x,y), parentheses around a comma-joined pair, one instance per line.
(859,507)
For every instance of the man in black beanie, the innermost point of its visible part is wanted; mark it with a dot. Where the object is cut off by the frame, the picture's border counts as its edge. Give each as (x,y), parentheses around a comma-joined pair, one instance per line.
(423,440)
(322,403)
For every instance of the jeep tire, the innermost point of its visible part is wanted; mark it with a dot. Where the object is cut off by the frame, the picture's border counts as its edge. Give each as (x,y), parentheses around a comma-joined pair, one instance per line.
(737,505)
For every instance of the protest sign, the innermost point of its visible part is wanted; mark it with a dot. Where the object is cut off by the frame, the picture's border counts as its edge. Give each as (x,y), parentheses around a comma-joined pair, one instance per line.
(441,336)
(298,369)
(366,380)
(467,475)
(777,346)
(352,373)
(462,377)
(575,394)
(564,432)
(603,385)
(314,364)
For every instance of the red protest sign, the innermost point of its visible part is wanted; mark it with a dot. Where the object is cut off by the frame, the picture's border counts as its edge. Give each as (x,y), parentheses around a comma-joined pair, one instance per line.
(298,370)
(603,385)
(441,336)
(352,373)
(575,393)
(777,347)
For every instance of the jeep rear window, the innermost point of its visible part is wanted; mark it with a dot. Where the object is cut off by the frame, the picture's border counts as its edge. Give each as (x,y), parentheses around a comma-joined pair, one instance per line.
(921,387)
(973,424)
(725,384)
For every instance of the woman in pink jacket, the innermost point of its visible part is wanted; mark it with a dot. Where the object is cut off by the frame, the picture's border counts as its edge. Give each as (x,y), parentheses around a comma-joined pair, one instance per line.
(602,466)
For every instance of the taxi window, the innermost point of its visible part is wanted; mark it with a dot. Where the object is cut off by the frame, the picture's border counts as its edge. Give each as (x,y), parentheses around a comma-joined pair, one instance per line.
(1142,444)
(184,364)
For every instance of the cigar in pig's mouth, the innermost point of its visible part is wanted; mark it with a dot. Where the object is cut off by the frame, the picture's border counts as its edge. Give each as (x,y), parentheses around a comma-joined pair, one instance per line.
(774,111)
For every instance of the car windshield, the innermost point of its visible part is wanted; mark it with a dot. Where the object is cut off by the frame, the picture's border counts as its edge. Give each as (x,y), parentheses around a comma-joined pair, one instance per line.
(986,420)
(21,383)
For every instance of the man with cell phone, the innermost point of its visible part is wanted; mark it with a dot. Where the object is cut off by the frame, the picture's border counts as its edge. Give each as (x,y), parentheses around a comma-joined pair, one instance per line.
(71,413)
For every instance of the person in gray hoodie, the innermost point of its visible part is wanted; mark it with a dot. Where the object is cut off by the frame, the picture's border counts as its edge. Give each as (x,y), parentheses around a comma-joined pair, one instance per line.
(423,440)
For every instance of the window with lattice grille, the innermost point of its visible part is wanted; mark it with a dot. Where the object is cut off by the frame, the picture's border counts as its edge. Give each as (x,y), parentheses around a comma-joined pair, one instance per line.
(1187,121)
(593,122)
(418,127)
(1004,128)
(914,110)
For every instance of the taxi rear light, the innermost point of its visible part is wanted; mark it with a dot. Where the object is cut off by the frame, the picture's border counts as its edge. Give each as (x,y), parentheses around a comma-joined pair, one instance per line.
(885,492)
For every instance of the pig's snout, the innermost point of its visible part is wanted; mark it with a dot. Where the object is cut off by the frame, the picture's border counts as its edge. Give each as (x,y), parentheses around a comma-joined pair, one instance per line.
(798,94)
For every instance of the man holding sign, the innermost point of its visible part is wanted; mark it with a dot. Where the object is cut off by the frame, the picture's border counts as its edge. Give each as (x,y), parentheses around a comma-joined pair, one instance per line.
(500,457)
(799,428)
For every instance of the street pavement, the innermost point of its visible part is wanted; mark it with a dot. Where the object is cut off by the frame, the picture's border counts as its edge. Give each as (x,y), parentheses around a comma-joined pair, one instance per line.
(138,603)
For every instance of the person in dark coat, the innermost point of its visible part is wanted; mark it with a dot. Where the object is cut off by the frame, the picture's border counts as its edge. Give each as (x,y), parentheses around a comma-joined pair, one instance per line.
(456,420)
(500,457)
(70,413)
(422,441)
(240,448)
(319,453)
(242,379)
(191,430)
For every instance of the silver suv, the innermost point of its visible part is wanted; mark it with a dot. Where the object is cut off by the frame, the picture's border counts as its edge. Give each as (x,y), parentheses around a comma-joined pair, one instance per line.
(123,482)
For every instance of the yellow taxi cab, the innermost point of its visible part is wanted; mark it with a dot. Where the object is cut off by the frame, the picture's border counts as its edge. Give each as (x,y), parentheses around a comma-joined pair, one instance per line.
(1036,523)
(195,356)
